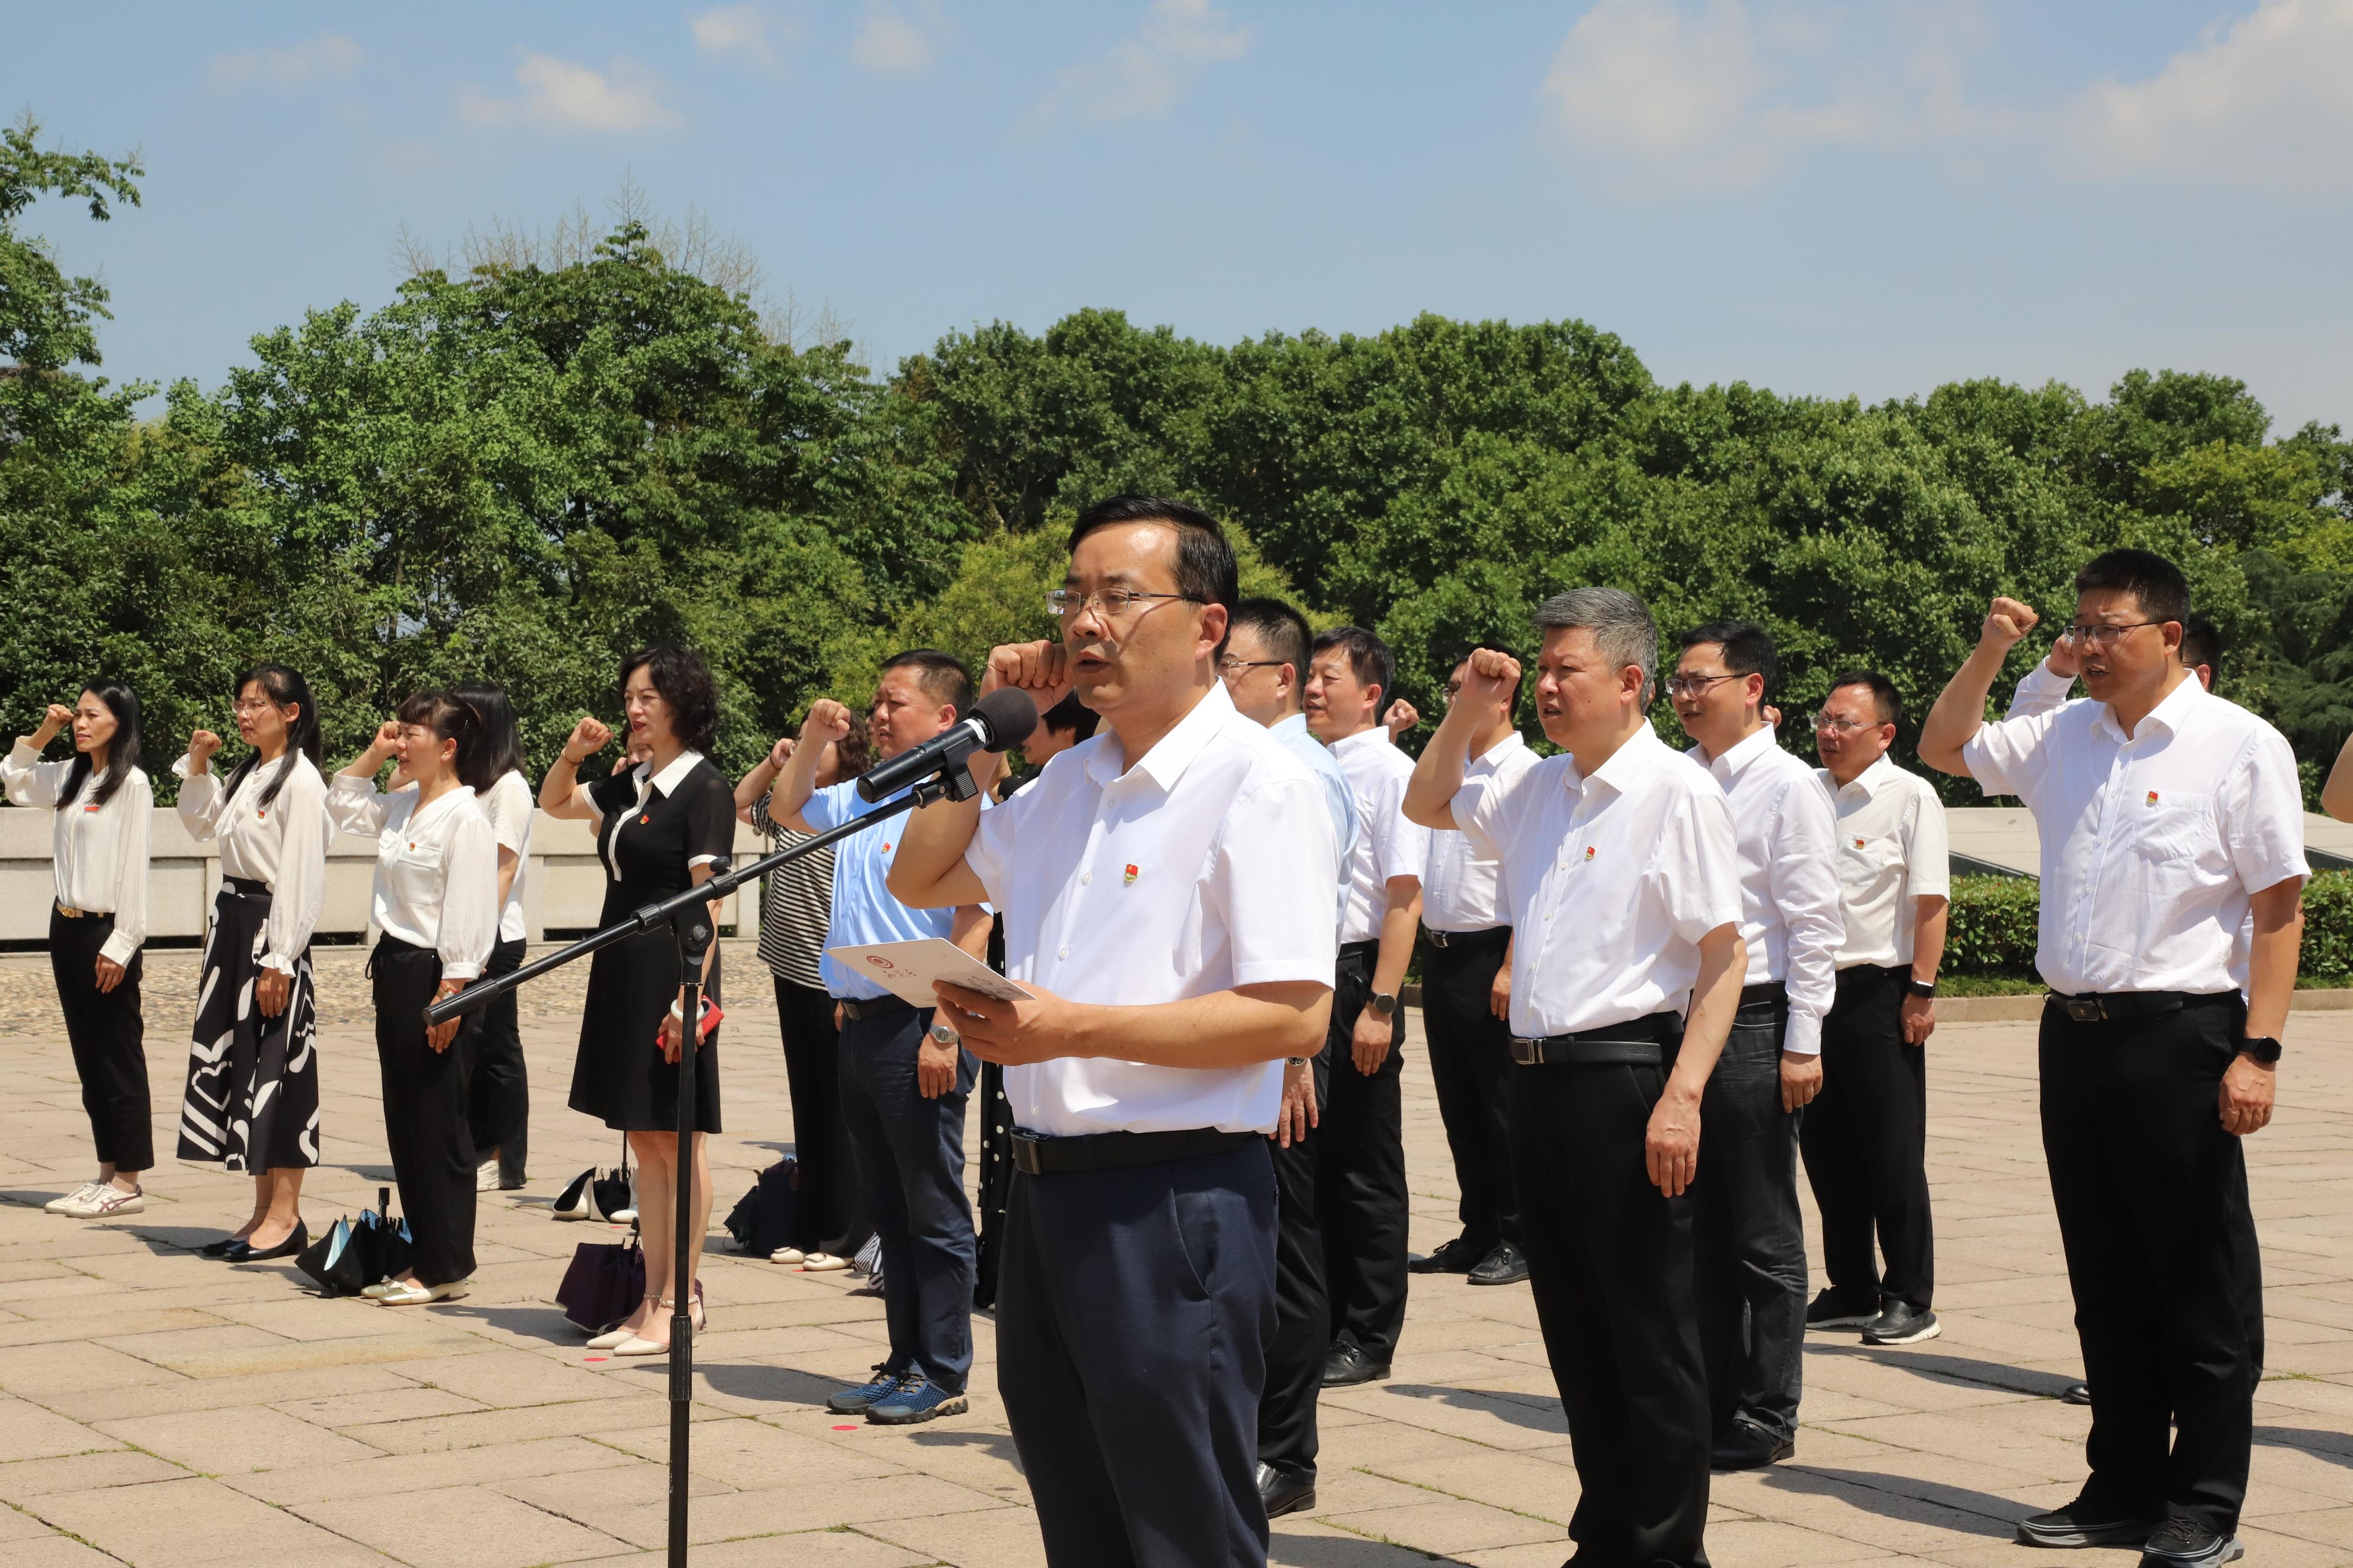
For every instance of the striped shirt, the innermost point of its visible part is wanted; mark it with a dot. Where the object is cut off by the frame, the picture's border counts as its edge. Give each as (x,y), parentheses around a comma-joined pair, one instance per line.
(796,904)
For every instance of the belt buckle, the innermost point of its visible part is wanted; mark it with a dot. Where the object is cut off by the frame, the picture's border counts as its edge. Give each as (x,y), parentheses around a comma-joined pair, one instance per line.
(1439,939)
(72,915)
(2085,1009)
(1525,1052)
(1025,1152)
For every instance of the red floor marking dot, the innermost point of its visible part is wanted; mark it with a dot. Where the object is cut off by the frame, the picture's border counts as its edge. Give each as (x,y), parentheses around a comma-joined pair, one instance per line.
(595,1358)
(845,1428)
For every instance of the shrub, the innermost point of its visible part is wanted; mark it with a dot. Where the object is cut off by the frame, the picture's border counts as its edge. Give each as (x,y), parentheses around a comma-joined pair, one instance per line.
(1993,927)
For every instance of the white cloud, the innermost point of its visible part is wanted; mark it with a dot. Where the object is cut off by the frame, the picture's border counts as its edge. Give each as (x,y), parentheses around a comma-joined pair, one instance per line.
(890,44)
(1665,95)
(2262,100)
(562,95)
(743,32)
(327,57)
(1147,72)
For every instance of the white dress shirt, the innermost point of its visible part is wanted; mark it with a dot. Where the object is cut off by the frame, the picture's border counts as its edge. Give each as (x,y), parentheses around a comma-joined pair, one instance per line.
(1206,865)
(1789,884)
(1338,798)
(1610,881)
(2040,691)
(511,808)
(282,844)
(1387,845)
(437,870)
(97,852)
(1458,890)
(1891,850)
(2152,845)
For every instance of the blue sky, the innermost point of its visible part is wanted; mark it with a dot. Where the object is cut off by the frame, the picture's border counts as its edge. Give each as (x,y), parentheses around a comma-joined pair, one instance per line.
(1867,198)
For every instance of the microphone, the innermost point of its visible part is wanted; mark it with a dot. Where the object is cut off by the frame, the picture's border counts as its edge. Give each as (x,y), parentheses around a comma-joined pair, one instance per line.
(997,722)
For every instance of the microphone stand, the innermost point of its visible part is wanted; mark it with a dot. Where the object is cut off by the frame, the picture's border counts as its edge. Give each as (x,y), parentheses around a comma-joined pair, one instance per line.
(688,914)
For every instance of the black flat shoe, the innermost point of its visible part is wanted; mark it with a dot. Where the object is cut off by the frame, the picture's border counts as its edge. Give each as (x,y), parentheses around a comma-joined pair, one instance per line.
(1283,1494)
(245,1252)
(2077,1525)
(221,1249)
(1505,1266)
(1456,1257)
(2075,1393)
(1748,1447)
(1348,1365)
(2186,1543)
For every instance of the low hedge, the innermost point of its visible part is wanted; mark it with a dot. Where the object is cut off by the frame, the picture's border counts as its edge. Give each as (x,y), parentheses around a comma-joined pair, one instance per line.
(1991,932)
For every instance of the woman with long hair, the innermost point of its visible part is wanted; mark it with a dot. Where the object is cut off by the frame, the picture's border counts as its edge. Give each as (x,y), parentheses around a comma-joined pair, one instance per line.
(437,907)
(665,825)
(103,813)
(501,1109)
(252,1097)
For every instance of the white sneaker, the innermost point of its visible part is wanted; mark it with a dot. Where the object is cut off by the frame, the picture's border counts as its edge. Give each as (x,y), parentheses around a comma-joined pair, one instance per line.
(104,1200)
(69,1204)
(486,1176)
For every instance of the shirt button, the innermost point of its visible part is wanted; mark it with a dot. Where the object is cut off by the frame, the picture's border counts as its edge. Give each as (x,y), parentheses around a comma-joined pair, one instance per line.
(1061,953)
(1085,877)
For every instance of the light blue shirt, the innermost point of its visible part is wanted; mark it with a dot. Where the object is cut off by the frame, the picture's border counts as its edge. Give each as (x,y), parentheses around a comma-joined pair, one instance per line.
(863,909)
(1338,798)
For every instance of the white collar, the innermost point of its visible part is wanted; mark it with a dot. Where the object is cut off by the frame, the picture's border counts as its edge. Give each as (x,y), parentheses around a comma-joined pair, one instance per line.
(1738,758)
(1291,724)
(1379,735)
(670,778)
(1170,755)
(1871,780)
(2172,712)
(1499,750)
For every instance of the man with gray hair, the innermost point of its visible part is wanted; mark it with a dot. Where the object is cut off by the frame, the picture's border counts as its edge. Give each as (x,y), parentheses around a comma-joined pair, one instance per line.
(1621,874)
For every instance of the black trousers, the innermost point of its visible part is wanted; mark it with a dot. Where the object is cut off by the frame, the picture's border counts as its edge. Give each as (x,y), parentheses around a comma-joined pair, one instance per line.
(996,1183)
(1302,1316)
(1132,1308)
(499,1112)
(1609,1260)
(1360,1198)
(108,1040)
(1865,1139)
(1469,1064)
(2161,1253)
(827,1214)
(427,1096)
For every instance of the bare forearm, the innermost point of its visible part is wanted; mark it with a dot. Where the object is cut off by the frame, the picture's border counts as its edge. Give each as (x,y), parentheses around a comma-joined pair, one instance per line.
(929,872)
(792,787)
(970,931)
(1715,998)
(2337,794)
(1399,927)
(1929,937)
(754,784)
(1959,711)
(555,789)
(1438,775)
(1224,1029)
(2272,962)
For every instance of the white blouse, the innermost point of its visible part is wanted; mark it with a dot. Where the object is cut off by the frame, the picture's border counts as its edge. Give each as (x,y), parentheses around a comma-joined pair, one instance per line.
(282,844)
(436,869)
(99,851)
(510,806)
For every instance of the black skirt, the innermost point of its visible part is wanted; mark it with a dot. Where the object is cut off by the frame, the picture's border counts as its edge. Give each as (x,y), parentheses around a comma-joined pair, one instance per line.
(252,1097)
(620,1076)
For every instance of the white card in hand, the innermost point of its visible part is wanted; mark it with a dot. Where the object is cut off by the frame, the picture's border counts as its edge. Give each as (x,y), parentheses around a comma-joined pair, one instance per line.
(907,969)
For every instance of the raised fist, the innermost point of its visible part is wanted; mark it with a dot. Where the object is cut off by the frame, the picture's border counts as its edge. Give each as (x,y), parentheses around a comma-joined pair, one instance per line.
(1040,669)
(2064,659)
(1400,718)
(1492,677)
(57,717)
(2006,623)
(781,752)
(388,736)
(827,722)
(588,737)
(202,745)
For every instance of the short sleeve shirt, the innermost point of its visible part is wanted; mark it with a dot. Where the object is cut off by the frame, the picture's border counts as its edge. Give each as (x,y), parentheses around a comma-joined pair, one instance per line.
(1893,850)
(1387,845)
(863,909)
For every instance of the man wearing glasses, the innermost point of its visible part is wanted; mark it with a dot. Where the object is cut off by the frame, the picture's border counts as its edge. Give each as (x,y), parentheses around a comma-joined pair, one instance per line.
(1167,891)
(2168,815)
(1865,1136)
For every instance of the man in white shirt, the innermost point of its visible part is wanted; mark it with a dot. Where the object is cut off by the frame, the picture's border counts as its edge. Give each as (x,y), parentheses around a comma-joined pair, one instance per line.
(1360,1192)
(1751,1273)
(1865,1136)
(1264,667)
(2168,815)
(1620,875)
(1466,991)
(1167,891)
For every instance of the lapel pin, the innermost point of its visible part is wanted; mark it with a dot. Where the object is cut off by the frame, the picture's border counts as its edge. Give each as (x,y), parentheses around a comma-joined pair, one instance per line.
(1129,880)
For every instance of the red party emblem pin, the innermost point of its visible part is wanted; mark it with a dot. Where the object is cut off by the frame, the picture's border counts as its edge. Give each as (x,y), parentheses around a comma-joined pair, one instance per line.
(1589,852)
(2152,797)
(1129,880)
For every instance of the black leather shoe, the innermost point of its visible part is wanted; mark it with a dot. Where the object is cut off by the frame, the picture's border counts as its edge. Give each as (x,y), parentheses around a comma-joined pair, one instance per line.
(2075,1393)
(1283,1494)
(1832,1310)
(221,1249)
(1348,1365)
(2077,1525)
(245,1252)
(1748,1447)
(2186,1543)
(1505,1266)
(1460,1255)
(1900,1325)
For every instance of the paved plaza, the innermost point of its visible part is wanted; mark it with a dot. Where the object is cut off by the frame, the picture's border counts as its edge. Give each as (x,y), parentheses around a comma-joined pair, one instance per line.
(161,1410)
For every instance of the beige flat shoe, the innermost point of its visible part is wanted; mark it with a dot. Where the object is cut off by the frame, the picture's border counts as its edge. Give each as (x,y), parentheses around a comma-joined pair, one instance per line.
(788,1255)
(416,1295)
(823,1263)
(615,1338)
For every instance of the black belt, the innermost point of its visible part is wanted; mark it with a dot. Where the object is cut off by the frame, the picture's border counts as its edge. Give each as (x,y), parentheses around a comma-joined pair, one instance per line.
(1493,934)
(1359,951)
(1035,1155)
(245,887)
(866,1007)
(2095,1009)
(1766,991)
(1638,1042)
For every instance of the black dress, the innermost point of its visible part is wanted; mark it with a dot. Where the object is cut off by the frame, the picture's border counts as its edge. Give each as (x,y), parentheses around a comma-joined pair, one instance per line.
(649,837)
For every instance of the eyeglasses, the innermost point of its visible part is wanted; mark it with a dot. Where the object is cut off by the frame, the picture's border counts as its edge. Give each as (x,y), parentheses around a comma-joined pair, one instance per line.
(2083,635)
(1231,668)
(1113,602)
(1693,684)
(252,705)
(1830,724)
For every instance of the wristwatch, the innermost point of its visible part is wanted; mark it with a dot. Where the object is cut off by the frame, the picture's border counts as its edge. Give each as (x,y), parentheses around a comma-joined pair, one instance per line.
(944,1034)
(1294,1061)
(2262,1047)
(1912,987)
(1382,1002)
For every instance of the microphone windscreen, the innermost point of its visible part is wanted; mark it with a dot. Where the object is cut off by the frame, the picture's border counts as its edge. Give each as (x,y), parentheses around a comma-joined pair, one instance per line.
(1009,715)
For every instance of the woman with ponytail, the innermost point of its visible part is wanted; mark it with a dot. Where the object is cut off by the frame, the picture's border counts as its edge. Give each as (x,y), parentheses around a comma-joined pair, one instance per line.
(500,1113)
(252,1098)
(104,813)
(437,907)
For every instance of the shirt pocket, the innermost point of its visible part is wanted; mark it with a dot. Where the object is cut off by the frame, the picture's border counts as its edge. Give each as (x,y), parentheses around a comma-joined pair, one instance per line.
(2174,828)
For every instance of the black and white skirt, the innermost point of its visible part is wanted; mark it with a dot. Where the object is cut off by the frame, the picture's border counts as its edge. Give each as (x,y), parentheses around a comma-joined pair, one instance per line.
(252,1099)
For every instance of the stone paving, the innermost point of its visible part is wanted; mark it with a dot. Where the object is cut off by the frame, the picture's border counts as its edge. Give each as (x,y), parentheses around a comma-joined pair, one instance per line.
(159,1409)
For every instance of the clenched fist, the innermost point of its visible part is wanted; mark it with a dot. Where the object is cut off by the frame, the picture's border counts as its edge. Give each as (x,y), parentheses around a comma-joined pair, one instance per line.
(1401,717)
(780,754)
(1492,677)
(588,737)
(2006,623)
(827,722)
(57,717)
(1040,669)
(201,747)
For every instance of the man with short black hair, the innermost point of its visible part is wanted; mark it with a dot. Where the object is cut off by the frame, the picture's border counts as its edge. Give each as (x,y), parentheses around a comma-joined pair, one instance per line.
(1466,991)
(1360,1190)
(1167,896)
(904,1078)
(1866,1135)
(2169,818)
